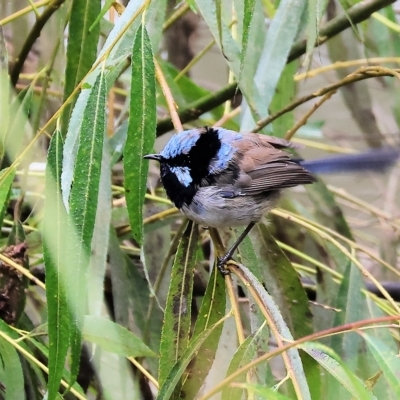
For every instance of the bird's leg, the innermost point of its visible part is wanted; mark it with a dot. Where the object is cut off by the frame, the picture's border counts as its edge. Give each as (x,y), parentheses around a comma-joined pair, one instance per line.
(222,261)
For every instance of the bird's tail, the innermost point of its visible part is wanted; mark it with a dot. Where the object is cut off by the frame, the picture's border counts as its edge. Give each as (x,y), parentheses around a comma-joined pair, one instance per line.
(375,160)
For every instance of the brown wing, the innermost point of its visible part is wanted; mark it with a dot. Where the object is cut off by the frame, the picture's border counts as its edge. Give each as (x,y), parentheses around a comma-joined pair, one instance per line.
(265,167)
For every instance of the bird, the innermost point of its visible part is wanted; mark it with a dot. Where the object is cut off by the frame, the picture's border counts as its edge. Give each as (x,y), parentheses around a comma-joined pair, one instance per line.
(221,178)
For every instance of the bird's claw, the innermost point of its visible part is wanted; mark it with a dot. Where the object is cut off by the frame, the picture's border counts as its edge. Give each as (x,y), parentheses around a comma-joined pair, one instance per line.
(221,265)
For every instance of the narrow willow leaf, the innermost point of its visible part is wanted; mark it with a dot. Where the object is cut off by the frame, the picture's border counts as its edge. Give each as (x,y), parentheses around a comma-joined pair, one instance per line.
(141,129)
(114,338)
(249,257)
(98,258)
(218,9)
(81,48)
(5,189)
(243,355)
(332,363)
(10,372)
(293,361)
(18,127)
(175,374)
(352,305)
(155,17)
(177,316)
(280,37)
(248,12)
(387,360)
(228,46)
(120,284)
(4,92)
(211,309)
(131,298)
(107,5)
(54,254)
(284,94)
(312,29)
(117,50)
(282,282)
(44,351)
(83,208)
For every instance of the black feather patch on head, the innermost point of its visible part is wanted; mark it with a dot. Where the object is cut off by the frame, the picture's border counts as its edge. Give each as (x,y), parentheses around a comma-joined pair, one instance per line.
(183,173)
(177,192)
(199,156)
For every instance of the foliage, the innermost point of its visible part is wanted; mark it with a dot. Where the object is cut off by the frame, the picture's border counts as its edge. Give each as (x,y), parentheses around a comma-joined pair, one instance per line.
(123,300)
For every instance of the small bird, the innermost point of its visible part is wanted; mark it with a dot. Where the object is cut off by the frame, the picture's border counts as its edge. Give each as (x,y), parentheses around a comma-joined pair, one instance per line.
(221,178)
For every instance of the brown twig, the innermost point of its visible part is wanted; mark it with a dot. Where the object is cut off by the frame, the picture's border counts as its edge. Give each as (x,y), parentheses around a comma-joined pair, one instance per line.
(303,120)
(350,327)
(168,97)
(359,75)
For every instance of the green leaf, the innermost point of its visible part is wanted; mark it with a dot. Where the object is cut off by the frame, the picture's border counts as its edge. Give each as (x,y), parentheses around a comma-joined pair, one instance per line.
(332,363)
(285,93)
(292,361)
(141,129)
(10,372)
(81,48)
(174,375)
(219,22)
(4,92)
(211,309)
(114,338)
(177,316)
(17,129)
(351,301)
(54,254)
(98,257)
(246,352)
(248,12)
(283,283)
(132,296)
(155,18)
(313,16)
(280,37)
(103,12)
(387,360)
(6,179)
(117,47)
(83,207)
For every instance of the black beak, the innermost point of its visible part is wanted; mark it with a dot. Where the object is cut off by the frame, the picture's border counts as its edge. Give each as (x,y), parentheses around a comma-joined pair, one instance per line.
(156,157)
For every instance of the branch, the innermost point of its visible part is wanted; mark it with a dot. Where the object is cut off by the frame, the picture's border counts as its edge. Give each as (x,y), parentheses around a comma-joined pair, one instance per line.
(31,39)
(353,15)
(359,75)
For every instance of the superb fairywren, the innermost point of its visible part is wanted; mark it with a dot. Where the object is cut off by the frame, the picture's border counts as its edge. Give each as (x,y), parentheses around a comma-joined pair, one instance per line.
(221,178)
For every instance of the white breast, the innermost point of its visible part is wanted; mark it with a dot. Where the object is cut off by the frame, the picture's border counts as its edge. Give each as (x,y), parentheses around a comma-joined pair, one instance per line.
(209,208)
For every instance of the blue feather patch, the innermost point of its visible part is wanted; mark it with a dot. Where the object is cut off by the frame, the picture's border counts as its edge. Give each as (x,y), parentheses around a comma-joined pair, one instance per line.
(180,143)
(183,175)
(226,152)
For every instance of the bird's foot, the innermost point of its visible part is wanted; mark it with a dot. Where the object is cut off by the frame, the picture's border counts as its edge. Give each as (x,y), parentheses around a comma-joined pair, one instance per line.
(221,264)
